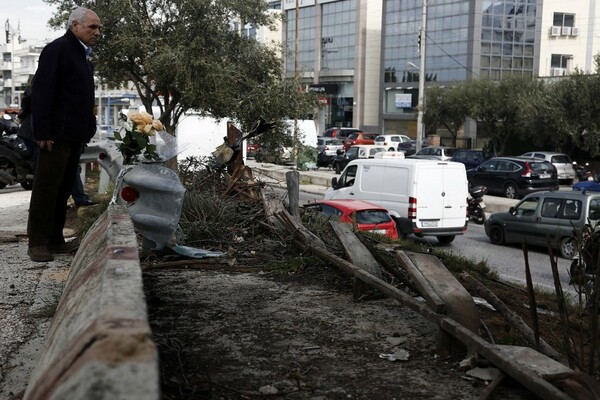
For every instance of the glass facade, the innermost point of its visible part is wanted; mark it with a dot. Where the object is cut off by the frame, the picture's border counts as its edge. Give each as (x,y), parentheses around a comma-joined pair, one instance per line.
(338,36)
(338,41)
(447,40)
(508,38)
(307,31)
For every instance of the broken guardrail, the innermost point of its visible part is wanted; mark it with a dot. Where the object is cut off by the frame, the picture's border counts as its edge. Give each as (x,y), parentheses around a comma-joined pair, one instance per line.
(152,193)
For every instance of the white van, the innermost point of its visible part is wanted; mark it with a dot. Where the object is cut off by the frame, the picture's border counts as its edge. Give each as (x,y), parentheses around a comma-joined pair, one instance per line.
(425,197)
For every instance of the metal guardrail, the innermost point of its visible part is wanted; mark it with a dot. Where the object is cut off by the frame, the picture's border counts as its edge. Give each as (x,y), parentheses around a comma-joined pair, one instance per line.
(152,193)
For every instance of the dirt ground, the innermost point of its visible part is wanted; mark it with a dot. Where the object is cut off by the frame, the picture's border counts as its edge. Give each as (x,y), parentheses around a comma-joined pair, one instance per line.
(257,335)
(247,331)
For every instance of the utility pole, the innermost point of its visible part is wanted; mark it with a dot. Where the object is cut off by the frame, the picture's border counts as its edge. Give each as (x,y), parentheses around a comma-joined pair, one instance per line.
(10,37)
(421,105)
(296,84)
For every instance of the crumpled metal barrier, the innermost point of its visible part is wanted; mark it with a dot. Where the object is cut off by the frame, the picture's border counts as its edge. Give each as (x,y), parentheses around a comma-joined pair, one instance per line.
(152,193)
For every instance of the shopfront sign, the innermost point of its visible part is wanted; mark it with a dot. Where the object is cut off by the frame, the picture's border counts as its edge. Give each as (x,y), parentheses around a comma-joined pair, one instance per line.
(324,88)
(403,100)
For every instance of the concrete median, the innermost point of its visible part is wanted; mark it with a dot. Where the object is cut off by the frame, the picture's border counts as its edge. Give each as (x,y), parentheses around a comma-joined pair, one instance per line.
(99,343)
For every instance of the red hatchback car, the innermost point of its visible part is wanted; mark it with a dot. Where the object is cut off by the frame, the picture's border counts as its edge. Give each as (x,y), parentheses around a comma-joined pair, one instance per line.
(369,217)
(359,138)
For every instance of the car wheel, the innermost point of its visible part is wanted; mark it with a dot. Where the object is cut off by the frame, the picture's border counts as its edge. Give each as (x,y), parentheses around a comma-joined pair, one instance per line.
(479,216)
(391,149)
(27,184)
(577,273)
(445,239)
(567,248)
(510,191)
(496,235)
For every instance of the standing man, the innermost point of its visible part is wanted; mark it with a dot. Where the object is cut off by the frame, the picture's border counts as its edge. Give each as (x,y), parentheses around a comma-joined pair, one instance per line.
(63,119)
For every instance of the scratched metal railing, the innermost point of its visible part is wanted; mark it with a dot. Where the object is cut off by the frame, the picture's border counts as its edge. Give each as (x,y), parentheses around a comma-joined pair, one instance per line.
(152,193)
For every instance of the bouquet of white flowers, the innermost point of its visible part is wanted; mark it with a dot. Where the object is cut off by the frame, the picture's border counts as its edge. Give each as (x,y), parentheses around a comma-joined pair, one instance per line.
(134,134)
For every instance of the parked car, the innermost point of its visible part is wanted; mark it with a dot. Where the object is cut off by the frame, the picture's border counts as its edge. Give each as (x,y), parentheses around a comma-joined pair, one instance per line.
(514,177)
(545,216)
(279,155)
(391,141)
(329,145)
(471,158)
(251,149)
(340,133)
(408,148)
(328,149)
(359,138)
(562,162)
(354,152)
(425,197)
(369,217)
(435,153)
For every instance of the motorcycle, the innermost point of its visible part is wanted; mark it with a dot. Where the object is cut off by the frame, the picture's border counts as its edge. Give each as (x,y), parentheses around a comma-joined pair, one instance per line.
(583,172)
(475,205)
(8,125)
(324,160)
(16,163)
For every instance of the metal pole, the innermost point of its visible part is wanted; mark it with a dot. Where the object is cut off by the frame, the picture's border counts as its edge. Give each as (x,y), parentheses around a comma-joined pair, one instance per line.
(296,84)
(108,114)
(421,105)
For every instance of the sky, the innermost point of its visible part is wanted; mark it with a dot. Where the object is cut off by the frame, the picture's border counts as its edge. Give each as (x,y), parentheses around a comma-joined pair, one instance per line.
(31,15)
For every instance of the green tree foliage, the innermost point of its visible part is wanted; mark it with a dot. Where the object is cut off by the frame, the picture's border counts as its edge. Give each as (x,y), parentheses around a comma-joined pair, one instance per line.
(575,98)
(185,54)
(446,107)
(556,114)
(495,105)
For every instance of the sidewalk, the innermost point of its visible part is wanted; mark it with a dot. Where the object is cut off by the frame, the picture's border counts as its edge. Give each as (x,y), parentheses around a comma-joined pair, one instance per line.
(316,182)
(29,294)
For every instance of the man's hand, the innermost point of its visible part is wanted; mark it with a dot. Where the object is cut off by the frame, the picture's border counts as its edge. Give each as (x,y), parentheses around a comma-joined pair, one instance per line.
(45,144)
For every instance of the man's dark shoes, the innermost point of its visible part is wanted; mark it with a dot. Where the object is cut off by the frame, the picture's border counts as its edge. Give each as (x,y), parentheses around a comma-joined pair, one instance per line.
(86,203)
(64,248)
(40,254)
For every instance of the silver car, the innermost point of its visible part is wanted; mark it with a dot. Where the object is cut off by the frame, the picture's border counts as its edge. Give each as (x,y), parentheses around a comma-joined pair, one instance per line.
(562,162)
(329,145)
(436,153)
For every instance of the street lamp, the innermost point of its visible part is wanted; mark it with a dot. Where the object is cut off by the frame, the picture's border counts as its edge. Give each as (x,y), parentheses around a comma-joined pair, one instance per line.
(421,105)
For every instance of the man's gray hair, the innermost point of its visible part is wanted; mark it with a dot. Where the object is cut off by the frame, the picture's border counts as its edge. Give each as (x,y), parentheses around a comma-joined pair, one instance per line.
(78,14)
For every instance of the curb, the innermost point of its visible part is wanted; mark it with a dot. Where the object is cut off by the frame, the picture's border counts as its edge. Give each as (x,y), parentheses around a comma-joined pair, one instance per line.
(99,345)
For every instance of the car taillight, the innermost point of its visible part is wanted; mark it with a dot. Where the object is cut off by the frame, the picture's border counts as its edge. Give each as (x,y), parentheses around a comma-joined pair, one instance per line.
(412,208)
(129,194)
(527,172)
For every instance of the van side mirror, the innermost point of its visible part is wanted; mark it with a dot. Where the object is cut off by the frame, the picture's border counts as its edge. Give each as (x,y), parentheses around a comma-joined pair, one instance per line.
(334,182)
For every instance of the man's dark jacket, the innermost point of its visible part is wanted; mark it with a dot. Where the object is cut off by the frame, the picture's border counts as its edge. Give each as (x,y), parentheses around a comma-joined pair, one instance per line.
(63,92)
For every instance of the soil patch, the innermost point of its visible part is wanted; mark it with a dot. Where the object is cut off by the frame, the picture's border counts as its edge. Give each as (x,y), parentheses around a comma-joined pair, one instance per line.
(224,335)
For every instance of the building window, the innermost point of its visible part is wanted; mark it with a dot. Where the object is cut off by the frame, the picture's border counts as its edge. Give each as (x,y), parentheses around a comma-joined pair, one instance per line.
(562,19)
(250,31)
(508,36)
(447,40)
(306,38)
(338,42)
(560,60)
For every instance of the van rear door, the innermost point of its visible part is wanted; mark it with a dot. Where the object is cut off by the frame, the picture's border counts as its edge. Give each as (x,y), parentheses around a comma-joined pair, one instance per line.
(442,191)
